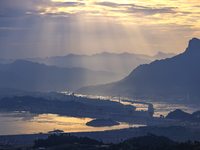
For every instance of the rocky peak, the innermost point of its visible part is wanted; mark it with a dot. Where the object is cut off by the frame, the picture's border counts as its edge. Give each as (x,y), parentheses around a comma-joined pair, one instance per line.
(195,42)
(193,49)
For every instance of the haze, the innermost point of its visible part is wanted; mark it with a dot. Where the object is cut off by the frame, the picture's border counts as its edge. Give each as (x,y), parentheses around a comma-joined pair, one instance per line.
(44,28)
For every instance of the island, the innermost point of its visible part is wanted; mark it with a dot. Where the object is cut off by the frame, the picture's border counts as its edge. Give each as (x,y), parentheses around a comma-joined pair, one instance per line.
(102,122)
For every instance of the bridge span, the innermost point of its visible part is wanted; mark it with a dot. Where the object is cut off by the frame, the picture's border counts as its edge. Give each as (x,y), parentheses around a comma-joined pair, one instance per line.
(150,106)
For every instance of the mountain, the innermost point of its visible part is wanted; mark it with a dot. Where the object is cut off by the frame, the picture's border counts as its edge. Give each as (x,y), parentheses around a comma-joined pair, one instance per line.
(161,55)
(178,114)
(174,78)
(26,75)
(119,63)
(122,63)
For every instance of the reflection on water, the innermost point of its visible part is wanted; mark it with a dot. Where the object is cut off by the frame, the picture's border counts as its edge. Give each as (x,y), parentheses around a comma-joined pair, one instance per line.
(27,123)
(164,108)
(160,108)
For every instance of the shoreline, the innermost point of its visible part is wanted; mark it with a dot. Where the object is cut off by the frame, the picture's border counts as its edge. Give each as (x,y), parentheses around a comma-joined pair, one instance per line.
(108,136)
(176,133)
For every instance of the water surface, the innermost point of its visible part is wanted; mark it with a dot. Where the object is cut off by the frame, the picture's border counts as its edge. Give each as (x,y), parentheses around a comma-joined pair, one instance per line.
(27,123)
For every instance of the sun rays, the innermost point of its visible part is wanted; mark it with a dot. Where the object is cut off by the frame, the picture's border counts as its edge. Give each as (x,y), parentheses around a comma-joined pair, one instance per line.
(60,27)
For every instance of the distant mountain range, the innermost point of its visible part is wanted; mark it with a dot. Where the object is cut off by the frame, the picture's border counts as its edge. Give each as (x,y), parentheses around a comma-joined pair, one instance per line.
(122,63)
(177,78)
(32,76)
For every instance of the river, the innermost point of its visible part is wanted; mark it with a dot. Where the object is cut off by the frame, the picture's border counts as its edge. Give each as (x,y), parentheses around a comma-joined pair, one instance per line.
(27,123)
(160,107)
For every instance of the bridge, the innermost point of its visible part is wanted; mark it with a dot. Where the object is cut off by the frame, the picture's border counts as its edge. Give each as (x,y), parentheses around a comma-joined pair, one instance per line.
(150,106)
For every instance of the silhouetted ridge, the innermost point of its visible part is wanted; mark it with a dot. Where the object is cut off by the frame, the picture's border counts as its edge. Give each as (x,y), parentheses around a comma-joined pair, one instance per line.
(32,76)
(172,77)
(194,43)
(161,55)
(178,114)
(180,72)
(193,49)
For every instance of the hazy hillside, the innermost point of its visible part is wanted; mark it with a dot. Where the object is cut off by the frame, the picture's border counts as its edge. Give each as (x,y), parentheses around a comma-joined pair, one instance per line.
(122,63)
(172,78)
(161,55)
(27,75)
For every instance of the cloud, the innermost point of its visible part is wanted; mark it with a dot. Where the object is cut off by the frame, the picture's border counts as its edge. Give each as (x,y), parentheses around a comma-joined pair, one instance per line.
(151,11)
(73,3)
(36,8)
(196,6)
(19,8)
(112,4)
(132,8)
(32,28)
(11,28)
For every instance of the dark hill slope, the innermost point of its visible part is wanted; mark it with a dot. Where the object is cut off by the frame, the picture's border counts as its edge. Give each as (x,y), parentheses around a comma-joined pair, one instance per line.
(31,76)
(122,63)
(171,77)
(178,114)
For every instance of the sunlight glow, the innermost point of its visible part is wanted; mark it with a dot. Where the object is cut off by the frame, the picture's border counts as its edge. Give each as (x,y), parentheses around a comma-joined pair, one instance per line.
(129,11)
(93,26)
(26,123)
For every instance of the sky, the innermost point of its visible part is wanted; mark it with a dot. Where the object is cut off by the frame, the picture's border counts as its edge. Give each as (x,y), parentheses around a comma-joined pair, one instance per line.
(45,28)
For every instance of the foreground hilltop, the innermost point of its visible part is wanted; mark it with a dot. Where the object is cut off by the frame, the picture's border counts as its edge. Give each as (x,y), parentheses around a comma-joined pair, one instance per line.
(175,77)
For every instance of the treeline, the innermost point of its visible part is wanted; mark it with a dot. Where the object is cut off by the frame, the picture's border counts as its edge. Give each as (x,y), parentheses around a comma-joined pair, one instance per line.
(23,101)
(55,140)
(184,116)
(148,142)
(73,102)
(153,142)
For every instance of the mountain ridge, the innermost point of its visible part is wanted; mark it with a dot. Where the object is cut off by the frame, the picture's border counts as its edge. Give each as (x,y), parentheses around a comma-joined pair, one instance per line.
(33,76)
(170,77)
(122,63)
